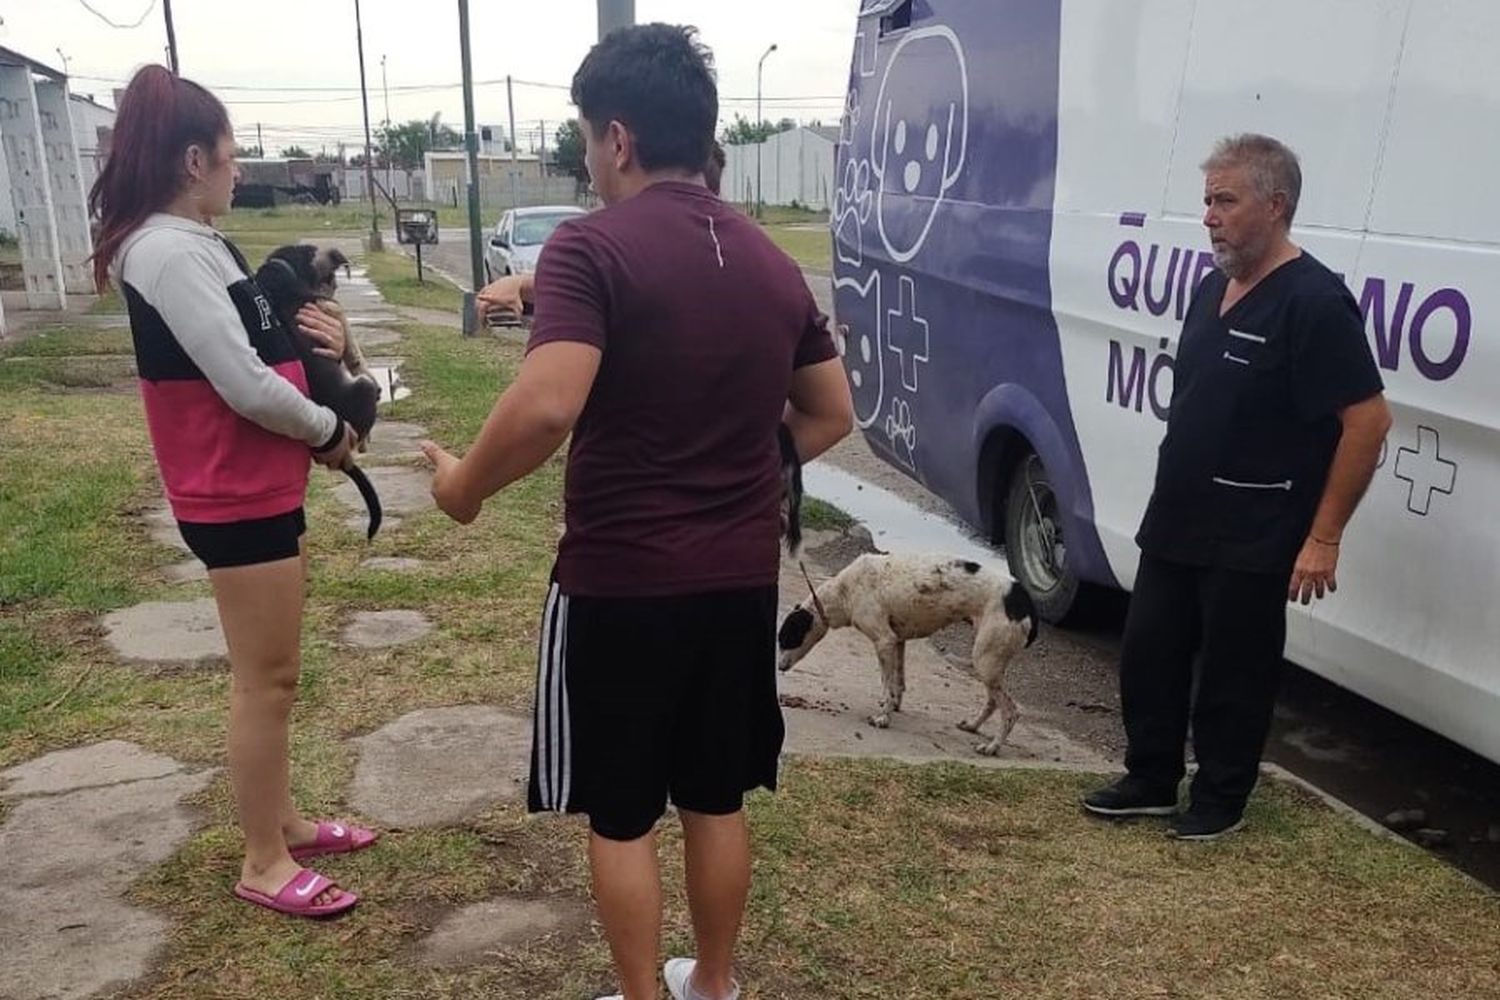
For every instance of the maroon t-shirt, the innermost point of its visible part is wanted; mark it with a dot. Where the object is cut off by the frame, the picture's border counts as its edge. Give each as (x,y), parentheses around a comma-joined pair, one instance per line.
(673,480)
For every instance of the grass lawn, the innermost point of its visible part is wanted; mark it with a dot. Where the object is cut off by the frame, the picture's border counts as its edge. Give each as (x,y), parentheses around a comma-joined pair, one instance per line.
(396,274)
(811,248)
(874,879)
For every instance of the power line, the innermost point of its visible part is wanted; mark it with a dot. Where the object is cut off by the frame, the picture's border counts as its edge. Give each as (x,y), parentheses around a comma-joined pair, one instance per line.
(806,100)
(123,27)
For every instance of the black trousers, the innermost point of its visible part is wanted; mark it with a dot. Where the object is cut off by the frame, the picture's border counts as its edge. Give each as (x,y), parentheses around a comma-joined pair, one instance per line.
(1233,625)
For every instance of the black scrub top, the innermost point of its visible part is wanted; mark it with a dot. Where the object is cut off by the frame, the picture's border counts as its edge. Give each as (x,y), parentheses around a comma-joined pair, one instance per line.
(1254,419)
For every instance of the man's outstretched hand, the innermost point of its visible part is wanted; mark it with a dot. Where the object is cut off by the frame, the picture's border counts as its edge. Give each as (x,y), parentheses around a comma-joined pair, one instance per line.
(447,485)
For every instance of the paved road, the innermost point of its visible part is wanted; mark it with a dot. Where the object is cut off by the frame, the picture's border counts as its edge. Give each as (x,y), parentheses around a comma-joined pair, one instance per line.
(1355,750)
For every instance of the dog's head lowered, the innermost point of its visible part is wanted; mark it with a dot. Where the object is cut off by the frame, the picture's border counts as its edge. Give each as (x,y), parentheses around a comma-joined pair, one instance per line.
(801,630)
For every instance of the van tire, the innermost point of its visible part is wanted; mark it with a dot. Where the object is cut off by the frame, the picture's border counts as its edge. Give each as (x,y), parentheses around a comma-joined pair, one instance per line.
(1034,545)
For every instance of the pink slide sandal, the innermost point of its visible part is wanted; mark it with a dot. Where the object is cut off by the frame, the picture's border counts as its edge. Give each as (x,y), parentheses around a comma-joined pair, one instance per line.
(335,838)
(295,899)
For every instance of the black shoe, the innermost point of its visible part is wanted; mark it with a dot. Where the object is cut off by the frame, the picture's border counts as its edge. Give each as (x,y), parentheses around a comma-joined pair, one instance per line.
(1131,796)
(1203,824)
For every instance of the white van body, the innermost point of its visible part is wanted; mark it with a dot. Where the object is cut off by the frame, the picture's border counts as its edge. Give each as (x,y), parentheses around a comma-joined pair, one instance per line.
(1394,109)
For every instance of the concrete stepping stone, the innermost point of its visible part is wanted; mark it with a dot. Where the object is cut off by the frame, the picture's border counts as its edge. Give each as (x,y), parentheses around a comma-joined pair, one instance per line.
(379,629)
(109,763)
(377,337)
(439,766)
(403,490)
(188,571)
(85,824)
(167,632)
(392,439)
(162,526)
(393,564)
(474,933)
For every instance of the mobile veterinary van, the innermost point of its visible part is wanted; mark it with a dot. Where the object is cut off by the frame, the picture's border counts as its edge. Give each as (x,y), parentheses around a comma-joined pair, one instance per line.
(1017,236)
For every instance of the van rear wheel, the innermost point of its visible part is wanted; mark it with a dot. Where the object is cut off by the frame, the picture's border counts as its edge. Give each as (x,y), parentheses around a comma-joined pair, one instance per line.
(1035,546)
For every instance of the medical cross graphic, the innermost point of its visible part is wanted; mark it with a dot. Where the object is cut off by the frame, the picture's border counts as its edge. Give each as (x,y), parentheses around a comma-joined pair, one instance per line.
(1426,470)
(907,334)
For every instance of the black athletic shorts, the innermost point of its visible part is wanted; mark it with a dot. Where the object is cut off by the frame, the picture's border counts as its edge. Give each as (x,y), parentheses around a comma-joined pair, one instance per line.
(642,700)
(245,543)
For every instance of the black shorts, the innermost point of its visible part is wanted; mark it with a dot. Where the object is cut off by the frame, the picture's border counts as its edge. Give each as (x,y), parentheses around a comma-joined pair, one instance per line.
(245,543)
(641,700)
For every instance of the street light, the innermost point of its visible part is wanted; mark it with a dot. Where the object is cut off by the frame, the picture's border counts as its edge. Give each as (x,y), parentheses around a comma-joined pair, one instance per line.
(364,96)
(471,147)
(759,146)
(171,39)
(614,14)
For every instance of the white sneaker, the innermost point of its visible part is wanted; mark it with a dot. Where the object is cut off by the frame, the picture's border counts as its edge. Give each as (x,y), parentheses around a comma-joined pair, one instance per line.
(678,972)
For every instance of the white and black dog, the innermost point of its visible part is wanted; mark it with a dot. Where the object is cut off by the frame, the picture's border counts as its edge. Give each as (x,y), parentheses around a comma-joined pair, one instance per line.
(892,598)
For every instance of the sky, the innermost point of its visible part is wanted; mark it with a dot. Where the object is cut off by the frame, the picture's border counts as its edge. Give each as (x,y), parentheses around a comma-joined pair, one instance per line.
(292,66)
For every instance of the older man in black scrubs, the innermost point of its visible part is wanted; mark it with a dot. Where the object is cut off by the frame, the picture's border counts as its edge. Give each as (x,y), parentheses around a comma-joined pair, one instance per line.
(1276,426)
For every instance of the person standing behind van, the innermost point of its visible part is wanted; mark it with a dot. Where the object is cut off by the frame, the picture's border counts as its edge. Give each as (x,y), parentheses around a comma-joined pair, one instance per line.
(1276,425)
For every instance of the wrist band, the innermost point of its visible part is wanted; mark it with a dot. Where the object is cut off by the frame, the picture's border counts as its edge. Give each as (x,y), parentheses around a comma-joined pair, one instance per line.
(333,442)
(1320,541)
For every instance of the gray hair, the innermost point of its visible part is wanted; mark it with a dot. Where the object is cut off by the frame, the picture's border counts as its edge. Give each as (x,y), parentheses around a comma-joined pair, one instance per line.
(1273,168)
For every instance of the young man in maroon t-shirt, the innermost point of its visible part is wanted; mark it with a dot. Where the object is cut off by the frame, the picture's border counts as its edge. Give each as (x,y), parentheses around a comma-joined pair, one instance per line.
(671,339)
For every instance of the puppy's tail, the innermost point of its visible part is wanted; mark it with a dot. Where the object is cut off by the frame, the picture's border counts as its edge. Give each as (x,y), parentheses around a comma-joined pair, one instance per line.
(1019,607)
(372,499)
(791,482)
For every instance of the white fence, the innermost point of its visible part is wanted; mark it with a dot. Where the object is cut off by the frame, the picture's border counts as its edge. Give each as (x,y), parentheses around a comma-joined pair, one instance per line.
(795,166)
(403,186)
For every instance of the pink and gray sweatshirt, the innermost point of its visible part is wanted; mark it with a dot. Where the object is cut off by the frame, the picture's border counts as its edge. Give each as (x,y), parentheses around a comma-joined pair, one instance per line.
(225,393)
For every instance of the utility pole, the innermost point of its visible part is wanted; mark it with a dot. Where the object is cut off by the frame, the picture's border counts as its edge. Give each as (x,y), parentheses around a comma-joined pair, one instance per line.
(510,99)
(615,14)
(364,94)
(260,142)
(542,156)
(171,40)
(386,87)
(760,202)
(471,142)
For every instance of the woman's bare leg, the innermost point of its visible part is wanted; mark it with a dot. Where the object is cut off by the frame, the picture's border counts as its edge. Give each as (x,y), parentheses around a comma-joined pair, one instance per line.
(260,608)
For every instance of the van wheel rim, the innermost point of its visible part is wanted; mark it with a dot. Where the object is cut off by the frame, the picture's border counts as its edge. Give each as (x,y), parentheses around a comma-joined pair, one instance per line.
(1043,551)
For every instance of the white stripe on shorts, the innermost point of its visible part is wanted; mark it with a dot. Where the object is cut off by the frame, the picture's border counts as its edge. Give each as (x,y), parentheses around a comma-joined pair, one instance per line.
(554,772)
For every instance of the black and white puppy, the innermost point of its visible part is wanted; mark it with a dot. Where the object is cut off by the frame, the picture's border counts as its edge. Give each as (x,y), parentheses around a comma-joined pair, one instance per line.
(301,274)
(893,598)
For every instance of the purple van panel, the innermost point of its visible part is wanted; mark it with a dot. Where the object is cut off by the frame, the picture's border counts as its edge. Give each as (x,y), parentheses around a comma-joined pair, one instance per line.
(942,234)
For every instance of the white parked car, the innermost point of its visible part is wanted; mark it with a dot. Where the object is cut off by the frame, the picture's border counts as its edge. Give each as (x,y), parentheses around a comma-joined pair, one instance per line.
(517,241)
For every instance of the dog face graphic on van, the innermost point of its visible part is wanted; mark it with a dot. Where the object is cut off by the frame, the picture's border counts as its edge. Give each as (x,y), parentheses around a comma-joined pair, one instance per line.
(919,141)
(859,341)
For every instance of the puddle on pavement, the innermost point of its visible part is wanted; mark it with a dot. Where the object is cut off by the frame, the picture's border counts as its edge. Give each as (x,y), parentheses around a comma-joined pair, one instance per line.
(391,386)
(895,524)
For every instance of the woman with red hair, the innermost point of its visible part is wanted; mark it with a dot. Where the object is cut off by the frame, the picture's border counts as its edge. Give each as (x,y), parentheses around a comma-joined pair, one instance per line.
(233,431)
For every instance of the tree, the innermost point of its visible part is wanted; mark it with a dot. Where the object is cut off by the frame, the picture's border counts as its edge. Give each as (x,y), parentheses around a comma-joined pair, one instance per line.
(246,152)
(568,154)
(404,145)
(296,153)
(743,132)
